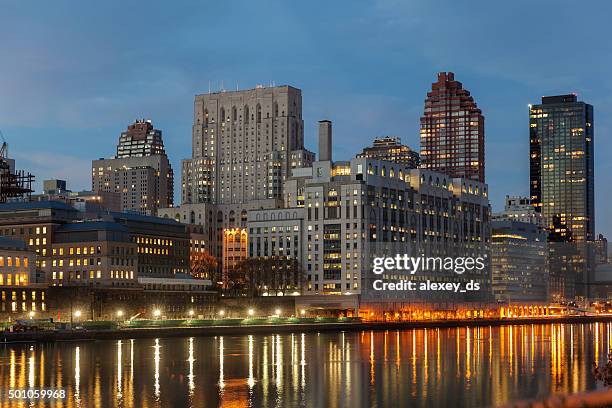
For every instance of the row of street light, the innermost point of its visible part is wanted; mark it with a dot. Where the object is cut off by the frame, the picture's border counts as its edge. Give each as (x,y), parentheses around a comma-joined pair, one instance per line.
(221,313)
(157,313)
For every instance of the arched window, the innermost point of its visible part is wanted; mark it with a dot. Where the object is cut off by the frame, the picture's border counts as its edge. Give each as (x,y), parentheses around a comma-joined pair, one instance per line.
(222,115)
(243,218)
(392,172)
(258,113)
(192,218)
(206,116)
(275,109)
(234,113)
(383,171)
(246,113)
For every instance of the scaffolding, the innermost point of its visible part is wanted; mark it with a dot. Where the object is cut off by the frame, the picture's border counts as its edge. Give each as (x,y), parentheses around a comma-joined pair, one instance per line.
(13,184)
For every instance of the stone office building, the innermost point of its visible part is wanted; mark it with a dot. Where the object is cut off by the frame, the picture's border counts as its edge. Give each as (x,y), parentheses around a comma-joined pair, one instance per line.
(345,213)
(140,172)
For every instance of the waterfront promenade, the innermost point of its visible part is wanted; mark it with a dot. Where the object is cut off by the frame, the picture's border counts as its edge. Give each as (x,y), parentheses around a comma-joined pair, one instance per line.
(222,327)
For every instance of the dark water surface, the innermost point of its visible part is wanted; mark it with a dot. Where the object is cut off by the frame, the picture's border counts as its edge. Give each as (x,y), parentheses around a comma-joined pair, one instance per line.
(464,367)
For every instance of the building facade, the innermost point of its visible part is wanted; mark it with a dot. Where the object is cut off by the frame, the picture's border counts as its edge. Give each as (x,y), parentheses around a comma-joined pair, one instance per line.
(141,172)
(452,131)
(140,140)
(20,294)
(35,223)
(390,148)
(242,145)
(346,213)
(519,261)
(94,253)
(520,209)
(561,165)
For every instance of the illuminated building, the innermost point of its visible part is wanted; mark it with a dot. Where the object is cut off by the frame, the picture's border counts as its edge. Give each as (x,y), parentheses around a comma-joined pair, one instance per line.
(561,165)
(391,149)
(275,239)
(140,139)
(520,209)
(35,223)
(244,144)
(141,172)
(94,253)
(19,292)
(562,189)
(234,250)
(452,131)
(519,261)
(163,244)
(351,211)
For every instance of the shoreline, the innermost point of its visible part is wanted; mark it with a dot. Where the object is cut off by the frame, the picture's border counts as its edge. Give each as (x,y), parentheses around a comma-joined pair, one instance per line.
(153,332)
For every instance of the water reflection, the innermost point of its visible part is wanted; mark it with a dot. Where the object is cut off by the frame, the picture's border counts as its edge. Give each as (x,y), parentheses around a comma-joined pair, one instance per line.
(480,366)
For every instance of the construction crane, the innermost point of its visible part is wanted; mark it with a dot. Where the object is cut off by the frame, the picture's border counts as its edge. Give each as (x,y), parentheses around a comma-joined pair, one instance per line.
(13,184)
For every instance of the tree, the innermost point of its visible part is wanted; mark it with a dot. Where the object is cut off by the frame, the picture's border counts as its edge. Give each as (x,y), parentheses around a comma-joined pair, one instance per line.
(203,266)
(255,277)
(604,373)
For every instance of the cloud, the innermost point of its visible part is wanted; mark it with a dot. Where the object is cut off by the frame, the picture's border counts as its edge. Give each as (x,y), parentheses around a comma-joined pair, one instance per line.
(47,165)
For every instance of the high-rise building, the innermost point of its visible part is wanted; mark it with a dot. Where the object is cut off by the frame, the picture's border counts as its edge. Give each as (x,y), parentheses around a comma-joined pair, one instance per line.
(519,262)
(452,131)
(390,148)
(561,166)
(242,145)
(140,139)
(141,171)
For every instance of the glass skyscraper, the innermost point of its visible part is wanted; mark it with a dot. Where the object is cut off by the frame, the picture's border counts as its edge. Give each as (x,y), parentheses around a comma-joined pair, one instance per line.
(561,166)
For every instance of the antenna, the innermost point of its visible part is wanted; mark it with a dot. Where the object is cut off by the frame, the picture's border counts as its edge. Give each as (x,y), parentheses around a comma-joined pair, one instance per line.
(209,86)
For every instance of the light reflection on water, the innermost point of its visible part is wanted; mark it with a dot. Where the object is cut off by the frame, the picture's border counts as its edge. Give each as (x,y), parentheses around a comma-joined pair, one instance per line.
(481,366)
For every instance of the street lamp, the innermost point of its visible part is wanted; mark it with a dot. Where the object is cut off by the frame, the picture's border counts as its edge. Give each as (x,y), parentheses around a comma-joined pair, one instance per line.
(251,312)
(277,312)
(119,313)
(32,314)
(191,312)
(221,312)
(302,312)
(77,314)
(157,313)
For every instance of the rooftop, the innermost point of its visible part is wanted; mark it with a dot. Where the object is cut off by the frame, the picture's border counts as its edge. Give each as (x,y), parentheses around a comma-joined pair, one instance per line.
(92,226)
(36,205)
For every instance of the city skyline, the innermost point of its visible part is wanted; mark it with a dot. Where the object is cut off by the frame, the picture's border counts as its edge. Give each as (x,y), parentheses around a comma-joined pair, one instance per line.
(386,94)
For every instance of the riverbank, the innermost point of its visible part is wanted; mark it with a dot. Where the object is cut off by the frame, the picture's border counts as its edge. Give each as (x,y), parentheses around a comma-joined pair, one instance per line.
(221,330)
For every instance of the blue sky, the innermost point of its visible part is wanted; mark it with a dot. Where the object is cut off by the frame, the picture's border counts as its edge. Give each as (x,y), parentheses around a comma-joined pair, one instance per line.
(73,75)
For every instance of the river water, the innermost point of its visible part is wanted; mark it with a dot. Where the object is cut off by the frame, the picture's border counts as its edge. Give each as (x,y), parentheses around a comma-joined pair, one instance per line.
(459,367)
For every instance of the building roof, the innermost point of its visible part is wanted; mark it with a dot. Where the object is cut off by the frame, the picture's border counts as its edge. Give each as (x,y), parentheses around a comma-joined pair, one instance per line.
(8,243)
(130,216)
(36,205)
(92,226)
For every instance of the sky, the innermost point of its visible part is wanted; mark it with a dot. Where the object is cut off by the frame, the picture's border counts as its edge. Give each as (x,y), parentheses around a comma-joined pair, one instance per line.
(73,75)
